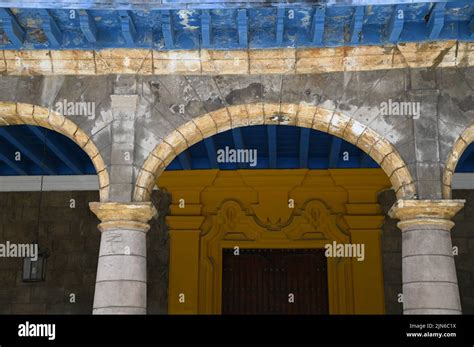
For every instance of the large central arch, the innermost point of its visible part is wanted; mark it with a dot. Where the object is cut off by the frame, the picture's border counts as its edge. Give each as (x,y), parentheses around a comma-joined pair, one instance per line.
(307,116)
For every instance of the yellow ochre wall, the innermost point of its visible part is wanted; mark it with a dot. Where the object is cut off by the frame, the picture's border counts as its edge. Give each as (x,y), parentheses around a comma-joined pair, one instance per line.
(212,210)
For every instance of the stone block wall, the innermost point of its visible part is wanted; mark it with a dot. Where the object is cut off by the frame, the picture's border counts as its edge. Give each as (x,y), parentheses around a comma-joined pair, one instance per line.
(463,239)
(71,238)
(158,256)
(391,256)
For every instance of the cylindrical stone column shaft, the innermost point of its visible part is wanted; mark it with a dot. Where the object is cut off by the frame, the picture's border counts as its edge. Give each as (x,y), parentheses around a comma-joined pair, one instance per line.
(429,277)
(121,271)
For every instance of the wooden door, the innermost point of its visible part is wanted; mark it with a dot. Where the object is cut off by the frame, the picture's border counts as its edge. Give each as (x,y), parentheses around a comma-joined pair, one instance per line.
(275,281)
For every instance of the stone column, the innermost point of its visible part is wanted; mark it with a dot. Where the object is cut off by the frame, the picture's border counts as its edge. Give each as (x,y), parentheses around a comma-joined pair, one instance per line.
(121,271)
(430,283)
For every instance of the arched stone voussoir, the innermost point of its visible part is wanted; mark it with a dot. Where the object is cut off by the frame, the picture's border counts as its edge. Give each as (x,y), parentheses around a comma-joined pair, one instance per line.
(302,115)
(14,113)
(459,146)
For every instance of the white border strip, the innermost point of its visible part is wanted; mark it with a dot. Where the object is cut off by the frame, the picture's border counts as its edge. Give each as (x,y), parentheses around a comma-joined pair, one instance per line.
(50,183)
(463,180)
(91,182)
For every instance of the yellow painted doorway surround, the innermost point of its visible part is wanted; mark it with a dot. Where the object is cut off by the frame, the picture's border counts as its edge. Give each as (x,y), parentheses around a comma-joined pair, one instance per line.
(212,210)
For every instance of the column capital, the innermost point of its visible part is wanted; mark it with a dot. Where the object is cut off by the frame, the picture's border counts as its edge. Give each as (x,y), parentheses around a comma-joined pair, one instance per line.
(134,215)
(425,212)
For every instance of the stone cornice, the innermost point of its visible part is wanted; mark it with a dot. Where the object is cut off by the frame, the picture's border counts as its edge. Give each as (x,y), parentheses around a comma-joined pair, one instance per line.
(437,209)
(123,215)
(421,213)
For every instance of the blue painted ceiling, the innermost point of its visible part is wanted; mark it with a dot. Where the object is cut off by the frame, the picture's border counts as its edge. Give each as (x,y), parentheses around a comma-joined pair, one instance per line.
(42,152)
(46,152)
(466,162)
(42,24)
(278,147)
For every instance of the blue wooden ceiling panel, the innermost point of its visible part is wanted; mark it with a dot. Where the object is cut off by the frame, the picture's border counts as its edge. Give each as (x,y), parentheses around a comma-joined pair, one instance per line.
(319,144)
(288,156)
(289,25)
(53,156)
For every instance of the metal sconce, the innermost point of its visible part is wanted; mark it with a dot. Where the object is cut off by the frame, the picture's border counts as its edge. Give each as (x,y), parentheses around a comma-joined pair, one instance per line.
(34,270)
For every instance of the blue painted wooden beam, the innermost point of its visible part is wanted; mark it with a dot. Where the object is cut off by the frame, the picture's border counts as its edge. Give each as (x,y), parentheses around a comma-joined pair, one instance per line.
(471,27)
(239,144)
(149,5)
(272,146)
(167,29)
(185,160)
(33,154)
(206,32)
(280,25)
(436,20)
(211,152)
(356,25)
(11,163)
(51,29)
(317,25)
(88,26)
(334,152)
(242,27)
(13,29)
(304,146)
(129,31)
(61,153)
(395,24)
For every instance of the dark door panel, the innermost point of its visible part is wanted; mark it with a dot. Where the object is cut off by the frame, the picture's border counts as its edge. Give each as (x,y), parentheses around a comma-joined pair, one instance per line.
(260,281)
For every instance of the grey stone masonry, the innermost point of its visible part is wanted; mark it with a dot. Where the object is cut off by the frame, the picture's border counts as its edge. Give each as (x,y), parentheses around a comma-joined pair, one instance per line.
(429,275)
(122,147)
(428,271)
(135,113)
(121,283)
(121,273)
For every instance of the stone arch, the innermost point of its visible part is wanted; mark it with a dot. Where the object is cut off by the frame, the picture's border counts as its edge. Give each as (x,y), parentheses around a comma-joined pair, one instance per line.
(308,116)
(459,146)
(13,113)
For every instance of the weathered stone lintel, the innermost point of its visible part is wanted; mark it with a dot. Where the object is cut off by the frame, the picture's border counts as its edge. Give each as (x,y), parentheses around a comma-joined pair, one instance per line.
(215,62)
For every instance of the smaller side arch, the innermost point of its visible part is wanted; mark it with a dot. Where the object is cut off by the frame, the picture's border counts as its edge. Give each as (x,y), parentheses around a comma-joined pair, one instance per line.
(13,113)
(302,115)
(459,146)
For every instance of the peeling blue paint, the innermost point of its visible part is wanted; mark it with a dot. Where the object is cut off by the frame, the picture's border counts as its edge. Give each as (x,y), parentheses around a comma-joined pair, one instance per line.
(279,24)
